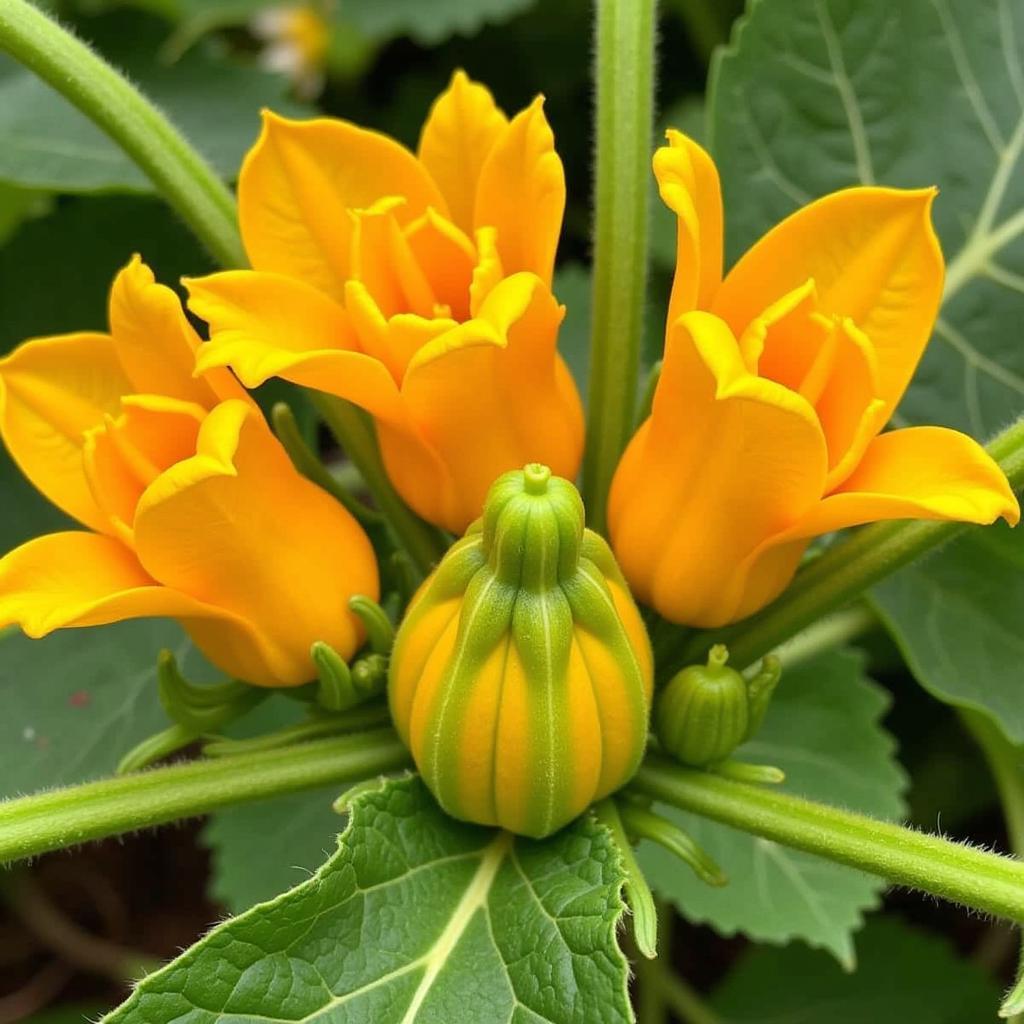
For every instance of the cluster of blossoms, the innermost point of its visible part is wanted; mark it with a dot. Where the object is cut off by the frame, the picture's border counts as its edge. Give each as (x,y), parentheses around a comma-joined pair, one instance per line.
(419,288)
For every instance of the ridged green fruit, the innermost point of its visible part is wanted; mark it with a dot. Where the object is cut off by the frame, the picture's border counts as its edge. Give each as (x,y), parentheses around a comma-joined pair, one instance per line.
(706,711)
(521,676)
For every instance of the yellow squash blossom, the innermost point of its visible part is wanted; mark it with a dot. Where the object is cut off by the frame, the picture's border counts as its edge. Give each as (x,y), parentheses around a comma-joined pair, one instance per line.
(417,286)
(777,380)
(192,506)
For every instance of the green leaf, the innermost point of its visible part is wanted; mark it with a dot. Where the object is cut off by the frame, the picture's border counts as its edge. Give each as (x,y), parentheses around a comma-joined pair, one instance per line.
(904,974)
(816,95)
(823,730)
(46,143)
(957,618)
(261,849)
(77,700)
(74,253)
(428,23)
(416,917)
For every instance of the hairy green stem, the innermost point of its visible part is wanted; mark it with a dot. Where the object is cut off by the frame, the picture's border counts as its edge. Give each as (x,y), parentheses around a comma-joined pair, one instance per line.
(625,101)
(65,817)
(976,878)
(844,572)
(1006,763)
(354,432)
(177,171)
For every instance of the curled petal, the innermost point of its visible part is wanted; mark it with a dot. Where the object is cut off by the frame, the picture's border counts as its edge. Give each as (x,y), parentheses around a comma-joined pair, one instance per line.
(917,473)
(489,396)
(689,187)
(522,194)
(52,390)
(236,527)
(448,259)
(874,257)
(725,461)
(462,128)
(156,344)
(300,179)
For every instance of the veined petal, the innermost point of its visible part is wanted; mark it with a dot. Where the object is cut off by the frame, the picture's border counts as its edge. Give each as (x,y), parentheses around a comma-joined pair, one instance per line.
(126,453)
(874,257)
(689,187)
(238,528)
(522,194)
(51,391)
(448,259)
(463,125)
(156,344)
(299,180)
(725,461)
(917,473)
(492,394)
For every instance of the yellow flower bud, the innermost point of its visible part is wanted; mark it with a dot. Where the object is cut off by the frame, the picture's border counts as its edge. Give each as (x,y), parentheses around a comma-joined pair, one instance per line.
(521,677)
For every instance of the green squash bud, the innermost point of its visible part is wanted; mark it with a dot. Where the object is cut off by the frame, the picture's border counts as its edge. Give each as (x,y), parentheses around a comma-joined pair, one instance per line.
(706,711)
(521,676)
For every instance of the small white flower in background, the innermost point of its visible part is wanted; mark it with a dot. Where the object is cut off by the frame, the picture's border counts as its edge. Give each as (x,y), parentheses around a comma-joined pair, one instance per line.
(296,37)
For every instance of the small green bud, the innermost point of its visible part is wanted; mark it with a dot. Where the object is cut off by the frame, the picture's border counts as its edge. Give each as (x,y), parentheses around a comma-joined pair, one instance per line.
(706,711)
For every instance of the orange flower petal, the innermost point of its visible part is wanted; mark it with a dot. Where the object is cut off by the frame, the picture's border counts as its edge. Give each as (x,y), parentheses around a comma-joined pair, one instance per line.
(689,187)
(521,193)
(873,256)
(238,528)
(726,461)
(299,180)
(463,125)
(52,390)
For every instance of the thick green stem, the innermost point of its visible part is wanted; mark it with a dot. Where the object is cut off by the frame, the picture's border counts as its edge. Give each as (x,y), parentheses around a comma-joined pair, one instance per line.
(179,173)
(64,817)
(964,874)
(354,432)
(845,571)
(625,103)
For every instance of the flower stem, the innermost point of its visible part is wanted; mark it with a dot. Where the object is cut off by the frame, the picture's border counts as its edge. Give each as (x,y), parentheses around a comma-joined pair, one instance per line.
(64,817)
(843,572)
(625,102)
(354,432)
(953,871)
(179,173)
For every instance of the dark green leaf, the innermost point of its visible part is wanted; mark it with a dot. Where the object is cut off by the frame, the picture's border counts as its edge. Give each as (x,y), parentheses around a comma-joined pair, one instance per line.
(816,95)
(428,23)
(416,917)
(46,143)
(957,617)
(904,975)
(823,730)
(77,700)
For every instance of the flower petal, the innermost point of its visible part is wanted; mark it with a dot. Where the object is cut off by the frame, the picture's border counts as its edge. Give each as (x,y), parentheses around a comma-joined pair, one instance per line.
(268,325)
(238,528)
(156,344)
(125,454)
(522,194)
(51,391)
(725,461)
(917,473)
(463,125)
(299,180)
(689,187)
(874,257)
(491,395)
(448,259)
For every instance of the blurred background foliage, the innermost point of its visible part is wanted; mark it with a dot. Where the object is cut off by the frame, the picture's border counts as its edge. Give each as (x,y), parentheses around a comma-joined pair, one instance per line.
(72,211)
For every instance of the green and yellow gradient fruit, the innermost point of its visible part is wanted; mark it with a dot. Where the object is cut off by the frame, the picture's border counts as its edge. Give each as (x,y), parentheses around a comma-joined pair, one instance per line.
(521,677)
